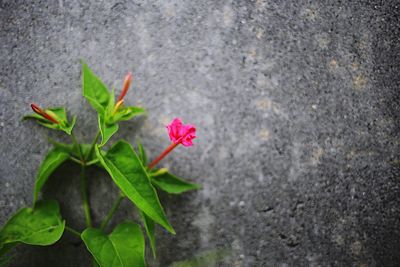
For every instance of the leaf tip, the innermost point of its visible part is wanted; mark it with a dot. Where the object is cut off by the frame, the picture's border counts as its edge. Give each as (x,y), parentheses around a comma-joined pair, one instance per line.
(170,229)
(197,186)
(82,61)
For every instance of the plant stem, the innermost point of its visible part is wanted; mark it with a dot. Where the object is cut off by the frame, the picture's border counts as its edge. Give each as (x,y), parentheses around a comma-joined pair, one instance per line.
(75,160)
(93,144)
(92,162)
(112,211)
(162,155)
(78,146)
(85,199)
(72,231)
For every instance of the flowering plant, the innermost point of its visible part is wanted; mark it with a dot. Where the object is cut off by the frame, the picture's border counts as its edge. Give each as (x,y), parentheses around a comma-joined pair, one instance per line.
(42,224)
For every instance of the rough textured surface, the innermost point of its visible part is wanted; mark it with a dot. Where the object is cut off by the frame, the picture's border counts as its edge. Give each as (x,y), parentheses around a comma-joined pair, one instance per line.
(296,104)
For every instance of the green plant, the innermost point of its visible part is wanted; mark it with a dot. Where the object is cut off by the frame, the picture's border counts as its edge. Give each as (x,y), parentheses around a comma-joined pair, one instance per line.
(42,224)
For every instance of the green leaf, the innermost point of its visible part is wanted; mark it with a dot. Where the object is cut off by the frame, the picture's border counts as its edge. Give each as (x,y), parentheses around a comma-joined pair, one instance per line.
(94,90)
(106,130)
(59,114)
(149,225)
(51,162)
(41,226)
(172,184)
(106,125)
(123,113)
(68,148)
(73,151)
(142,153)
(85,150)
(102,101)
(124,247)
(127,171)
(108,120)
(127,113)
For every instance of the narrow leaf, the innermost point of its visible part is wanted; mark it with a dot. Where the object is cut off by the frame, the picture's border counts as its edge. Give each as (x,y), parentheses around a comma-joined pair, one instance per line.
(127,113)
(51,162)
(41,226)
(107,126)
(106,130)
(149,225)
(124,247)
(142,153)
(172,184)
(127,171)
(94,89)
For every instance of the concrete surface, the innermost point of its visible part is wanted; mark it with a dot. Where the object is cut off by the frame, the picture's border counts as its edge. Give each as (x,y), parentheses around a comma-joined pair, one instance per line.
(296,105)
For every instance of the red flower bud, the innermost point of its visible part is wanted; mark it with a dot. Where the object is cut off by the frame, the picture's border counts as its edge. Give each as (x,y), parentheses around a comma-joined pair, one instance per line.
(125,87)
(43,113)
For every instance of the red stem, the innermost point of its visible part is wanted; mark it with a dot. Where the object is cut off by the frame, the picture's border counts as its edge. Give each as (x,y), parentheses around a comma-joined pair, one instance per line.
(162,155)
(43,113)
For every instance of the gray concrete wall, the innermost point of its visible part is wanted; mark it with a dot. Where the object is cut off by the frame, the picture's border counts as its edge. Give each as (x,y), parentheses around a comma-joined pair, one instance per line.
(296,105)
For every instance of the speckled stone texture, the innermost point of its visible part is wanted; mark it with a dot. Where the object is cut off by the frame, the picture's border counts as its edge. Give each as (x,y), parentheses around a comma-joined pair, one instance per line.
(296,105)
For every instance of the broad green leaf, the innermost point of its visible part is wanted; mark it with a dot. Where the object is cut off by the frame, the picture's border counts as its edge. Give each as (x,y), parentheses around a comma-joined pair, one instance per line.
(59,114)
(41,226)
(142,153)
(94,90)
(124,247)
(106,130)
(127,171)
(172,184)
(51,162)
(149,225)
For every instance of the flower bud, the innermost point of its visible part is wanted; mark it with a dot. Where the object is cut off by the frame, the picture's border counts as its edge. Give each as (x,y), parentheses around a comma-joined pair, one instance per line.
(125,87)
(43,113)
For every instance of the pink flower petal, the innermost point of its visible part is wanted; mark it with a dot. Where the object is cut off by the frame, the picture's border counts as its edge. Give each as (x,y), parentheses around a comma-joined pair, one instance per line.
(180,133)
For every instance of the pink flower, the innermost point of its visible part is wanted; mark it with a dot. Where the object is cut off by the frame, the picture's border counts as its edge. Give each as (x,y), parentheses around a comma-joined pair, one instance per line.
(180,133)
